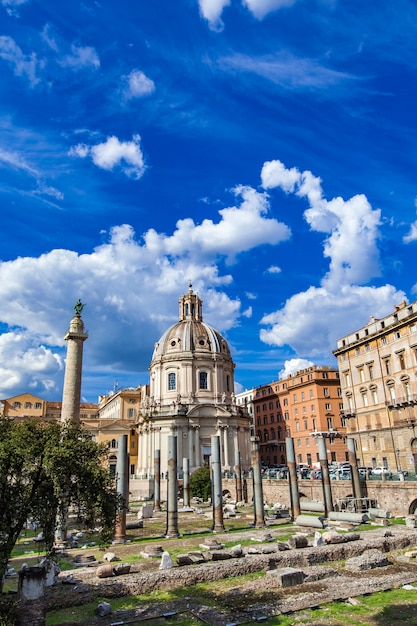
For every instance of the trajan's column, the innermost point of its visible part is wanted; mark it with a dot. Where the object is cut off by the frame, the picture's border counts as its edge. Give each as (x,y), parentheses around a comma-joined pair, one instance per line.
(75,337)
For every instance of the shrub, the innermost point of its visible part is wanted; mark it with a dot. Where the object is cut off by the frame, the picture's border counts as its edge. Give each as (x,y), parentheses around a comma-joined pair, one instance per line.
(200,483)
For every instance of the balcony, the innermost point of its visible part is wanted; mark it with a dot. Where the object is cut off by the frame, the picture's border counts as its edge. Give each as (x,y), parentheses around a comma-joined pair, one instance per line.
(348,413)
(397,403)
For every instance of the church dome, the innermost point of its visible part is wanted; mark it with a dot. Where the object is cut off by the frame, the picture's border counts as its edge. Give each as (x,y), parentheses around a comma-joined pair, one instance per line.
(192,359)
(191,334)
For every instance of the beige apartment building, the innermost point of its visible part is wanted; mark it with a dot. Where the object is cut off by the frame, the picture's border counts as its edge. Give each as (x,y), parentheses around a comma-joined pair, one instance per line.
(378,367)
(115,414)
(304,406)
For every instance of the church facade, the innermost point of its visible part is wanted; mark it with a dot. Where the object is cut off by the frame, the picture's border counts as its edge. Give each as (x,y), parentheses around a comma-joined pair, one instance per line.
(191,395)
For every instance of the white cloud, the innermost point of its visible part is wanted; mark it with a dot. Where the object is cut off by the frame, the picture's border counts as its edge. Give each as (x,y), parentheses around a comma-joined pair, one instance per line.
(12,5)
(211,10)
(113,152)
(292,366)
(130,288)
(240,229)
(412,234)
(311,321)
(274,269)
(351,225)
(23,65)
(260,8)
(16,160)
(26,365)
(138,85)
(81,57)
(287,70)
(247,312)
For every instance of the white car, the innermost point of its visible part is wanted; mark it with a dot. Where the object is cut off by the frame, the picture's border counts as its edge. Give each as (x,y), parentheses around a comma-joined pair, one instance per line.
(378,471)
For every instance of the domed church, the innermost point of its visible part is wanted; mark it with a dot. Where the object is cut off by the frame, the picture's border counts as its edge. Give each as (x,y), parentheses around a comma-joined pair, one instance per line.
(191,395)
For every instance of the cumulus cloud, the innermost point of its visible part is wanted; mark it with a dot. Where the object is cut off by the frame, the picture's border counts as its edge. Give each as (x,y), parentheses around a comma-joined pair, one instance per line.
(351,226)
(241,228)
(131,287)
(107,155)
(311,321)
(22,64)
(211,10)
(138,85)
(292,366)
(274,269)
(27,365)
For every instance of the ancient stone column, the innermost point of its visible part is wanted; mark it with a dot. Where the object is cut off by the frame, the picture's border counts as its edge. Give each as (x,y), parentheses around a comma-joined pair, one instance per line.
(186,481)
(122,488)
(216,475)
(172,489)
(157,481)
(325,476)
(31,591)
(292,471)
(238,474)
(356,484)
(258,497)
(71,396)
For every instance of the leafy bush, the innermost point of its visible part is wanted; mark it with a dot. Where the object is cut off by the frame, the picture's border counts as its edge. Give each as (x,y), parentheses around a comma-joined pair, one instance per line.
(200,483)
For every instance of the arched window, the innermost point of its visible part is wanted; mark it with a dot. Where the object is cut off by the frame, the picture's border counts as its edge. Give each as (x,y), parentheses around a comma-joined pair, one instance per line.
(113,443)
(203,380)
(265,435)
(260,435)
(172,381)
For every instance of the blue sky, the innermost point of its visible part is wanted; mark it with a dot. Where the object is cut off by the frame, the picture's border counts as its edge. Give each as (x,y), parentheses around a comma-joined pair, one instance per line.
(263,149)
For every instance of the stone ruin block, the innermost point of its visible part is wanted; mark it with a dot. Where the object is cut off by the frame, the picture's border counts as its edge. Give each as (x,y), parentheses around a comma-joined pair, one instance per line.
(122,568)
(185,559)
(103,609)
(221,556)
(152,552)
(370,559)
(212,544)
(271,549)
(104,571)
(287,576)
(333,537)
(110,557)
(85,560)
(298,541)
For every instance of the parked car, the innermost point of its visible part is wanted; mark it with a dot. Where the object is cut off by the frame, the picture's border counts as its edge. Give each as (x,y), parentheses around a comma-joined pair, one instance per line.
(378,471)
(304,472)
(345,467)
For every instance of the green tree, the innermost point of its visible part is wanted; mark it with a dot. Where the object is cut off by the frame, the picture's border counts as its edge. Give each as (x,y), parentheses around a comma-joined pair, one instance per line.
(44,466)
(200,483)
